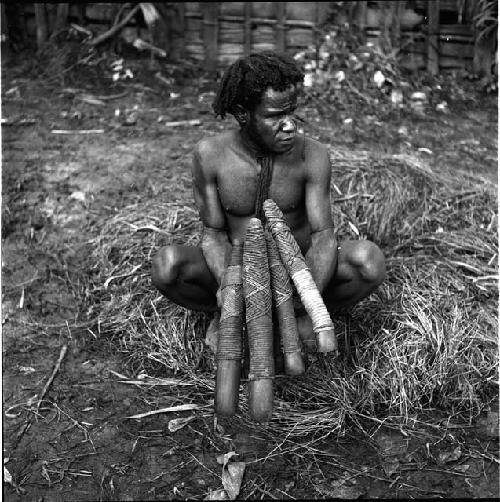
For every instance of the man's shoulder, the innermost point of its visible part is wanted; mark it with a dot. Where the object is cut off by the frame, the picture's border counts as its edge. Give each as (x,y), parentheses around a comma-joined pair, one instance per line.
(315,150)
(211,147)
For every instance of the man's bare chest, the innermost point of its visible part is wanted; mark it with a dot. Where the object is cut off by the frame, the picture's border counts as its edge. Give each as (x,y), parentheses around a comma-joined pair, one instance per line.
(237,183)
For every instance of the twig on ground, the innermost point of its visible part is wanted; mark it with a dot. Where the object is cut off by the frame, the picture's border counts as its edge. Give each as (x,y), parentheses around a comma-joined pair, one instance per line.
(57,366)
(178,123)
(181,407)
(76,131)
(45,389)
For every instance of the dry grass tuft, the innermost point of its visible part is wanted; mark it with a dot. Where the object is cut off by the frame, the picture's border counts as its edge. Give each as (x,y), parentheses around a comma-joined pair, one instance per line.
(426,338)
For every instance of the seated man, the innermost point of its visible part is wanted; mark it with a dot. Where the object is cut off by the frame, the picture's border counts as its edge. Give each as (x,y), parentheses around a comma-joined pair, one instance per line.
(234,172)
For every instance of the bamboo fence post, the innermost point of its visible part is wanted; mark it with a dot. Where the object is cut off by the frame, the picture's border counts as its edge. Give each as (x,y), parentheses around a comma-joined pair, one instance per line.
(283,304)
(361,18)
(181,16)
(433,37)
(82,12)
(210,34)
(280,26)
(316,38)
(41,24)
(397,13)
(61,18)
(229,348)
(387,11)
(248,28)
(295,264)
(258,311)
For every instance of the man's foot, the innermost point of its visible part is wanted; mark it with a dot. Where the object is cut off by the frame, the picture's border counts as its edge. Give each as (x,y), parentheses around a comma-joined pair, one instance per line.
(306,333)
(212,334)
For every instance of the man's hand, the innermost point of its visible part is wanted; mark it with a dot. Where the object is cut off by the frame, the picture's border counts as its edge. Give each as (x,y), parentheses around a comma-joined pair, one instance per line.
(306,333)
(218,295)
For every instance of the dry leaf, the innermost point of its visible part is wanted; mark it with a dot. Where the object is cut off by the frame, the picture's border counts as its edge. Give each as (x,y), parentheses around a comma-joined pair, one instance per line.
(346,492)
(391,444)
(445,457)
(492,424)
(178,423)
(390,466)
(232,475)
(7,477)
(26,369)
(78,195)
(216,495)
(339,490)
(224,459)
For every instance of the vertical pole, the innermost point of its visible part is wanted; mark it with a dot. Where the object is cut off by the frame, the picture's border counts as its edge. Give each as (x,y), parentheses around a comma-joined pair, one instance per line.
(387,11)
(41,24)
(315,33)
(361,19)
(397,13)
(61,17)
(280,26)
(82,12)
(248,29)
(181,16)
(210,33)
(433,37)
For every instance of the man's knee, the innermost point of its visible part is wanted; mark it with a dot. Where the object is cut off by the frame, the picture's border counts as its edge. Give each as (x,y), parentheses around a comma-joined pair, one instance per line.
(369,261)
(165,267)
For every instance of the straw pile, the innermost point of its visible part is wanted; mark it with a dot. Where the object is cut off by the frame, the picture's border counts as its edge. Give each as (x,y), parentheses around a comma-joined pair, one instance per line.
(426,338)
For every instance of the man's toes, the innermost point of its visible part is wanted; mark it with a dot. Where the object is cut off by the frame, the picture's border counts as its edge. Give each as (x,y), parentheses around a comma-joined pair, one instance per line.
(212,334)
(306,333)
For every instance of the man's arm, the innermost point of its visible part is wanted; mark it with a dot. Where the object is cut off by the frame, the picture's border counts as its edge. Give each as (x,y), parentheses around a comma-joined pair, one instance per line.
(321,258)
(214,243)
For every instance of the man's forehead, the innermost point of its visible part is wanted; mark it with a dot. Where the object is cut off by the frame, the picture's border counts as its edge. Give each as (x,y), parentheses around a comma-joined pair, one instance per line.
(273,98)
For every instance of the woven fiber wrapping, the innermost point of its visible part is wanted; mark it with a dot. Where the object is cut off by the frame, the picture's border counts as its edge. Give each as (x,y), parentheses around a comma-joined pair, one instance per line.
(282,296)
(292,259)
(258,302)
(231,320)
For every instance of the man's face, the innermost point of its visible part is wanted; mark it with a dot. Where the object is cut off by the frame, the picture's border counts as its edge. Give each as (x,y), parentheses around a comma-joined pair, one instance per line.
(271,124)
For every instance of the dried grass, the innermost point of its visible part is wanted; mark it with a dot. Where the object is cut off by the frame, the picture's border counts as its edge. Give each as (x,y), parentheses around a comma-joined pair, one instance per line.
(426,338)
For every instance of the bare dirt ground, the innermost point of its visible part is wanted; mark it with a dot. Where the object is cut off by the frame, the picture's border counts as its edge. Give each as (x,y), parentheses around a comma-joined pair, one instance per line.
(58,190)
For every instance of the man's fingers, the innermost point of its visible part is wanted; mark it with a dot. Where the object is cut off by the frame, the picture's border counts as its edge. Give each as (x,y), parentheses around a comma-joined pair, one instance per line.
(306,333)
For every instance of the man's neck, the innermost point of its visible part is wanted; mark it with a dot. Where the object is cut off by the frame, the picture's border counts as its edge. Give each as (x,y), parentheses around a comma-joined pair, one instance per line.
(252,146)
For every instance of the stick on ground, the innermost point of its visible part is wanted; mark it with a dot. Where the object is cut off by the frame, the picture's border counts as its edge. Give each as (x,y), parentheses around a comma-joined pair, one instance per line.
(45,389)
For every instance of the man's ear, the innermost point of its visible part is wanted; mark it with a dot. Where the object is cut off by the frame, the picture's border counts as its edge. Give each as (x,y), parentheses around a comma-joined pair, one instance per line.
(241,114)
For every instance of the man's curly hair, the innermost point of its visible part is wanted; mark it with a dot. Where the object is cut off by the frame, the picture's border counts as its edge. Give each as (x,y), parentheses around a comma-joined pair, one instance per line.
(246,80)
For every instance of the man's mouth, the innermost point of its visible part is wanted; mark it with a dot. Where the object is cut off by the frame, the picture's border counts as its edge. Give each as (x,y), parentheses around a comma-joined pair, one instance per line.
(286,139)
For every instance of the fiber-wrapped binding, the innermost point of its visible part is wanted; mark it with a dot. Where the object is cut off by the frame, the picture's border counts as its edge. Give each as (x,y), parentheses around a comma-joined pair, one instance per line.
(295,264)
(282,298)
(229,347)
(258,308)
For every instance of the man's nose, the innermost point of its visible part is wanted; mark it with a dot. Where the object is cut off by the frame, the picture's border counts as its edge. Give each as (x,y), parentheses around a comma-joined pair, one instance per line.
(288,125)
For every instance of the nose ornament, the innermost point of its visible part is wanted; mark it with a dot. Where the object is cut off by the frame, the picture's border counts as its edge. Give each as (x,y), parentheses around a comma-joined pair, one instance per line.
(288,125)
